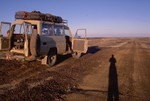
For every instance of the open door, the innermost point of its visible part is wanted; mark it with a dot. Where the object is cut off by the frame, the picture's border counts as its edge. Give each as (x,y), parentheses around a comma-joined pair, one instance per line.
(28,32)
(21,32)
(5,35)
(79,43)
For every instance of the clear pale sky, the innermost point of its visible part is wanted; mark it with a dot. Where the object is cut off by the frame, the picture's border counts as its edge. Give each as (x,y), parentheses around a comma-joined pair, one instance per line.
(99,17)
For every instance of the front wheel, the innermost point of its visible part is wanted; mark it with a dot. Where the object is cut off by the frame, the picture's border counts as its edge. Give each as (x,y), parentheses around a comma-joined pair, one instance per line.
(51,60)
(76,55)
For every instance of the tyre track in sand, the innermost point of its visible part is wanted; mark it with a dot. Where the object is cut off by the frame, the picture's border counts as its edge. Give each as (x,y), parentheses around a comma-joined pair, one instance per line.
(133,76)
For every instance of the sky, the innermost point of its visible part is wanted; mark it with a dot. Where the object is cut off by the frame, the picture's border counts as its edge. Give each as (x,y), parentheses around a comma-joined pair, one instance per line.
(101,18)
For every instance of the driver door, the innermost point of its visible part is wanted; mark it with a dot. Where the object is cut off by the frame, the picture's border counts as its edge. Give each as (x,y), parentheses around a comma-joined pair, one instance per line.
(80,42)
(5,35)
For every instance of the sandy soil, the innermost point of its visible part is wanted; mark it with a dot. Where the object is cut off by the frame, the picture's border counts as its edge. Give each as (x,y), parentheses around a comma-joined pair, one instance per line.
(93,77)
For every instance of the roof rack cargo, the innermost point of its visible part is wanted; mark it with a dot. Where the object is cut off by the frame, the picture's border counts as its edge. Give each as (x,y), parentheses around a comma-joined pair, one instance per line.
(37,15)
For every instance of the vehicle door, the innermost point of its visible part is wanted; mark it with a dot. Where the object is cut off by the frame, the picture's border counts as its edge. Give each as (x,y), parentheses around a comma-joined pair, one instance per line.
(59,38)
(46,38)
(80,42)
(52,37)
(28,31)
(5,35)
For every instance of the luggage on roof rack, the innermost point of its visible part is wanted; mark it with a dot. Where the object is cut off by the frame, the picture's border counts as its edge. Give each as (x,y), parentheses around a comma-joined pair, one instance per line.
(37,15)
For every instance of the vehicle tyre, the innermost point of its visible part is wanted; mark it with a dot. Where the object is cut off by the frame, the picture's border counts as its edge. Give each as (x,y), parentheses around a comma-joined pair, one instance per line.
(76,55)
(52,58)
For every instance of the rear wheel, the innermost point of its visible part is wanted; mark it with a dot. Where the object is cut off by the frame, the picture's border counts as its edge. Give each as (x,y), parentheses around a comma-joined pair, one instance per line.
(76,55)
(51,60)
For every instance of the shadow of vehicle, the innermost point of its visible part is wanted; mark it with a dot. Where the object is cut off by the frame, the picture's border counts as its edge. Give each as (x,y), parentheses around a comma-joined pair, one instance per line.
(93,49)
(62,58)
(113,93)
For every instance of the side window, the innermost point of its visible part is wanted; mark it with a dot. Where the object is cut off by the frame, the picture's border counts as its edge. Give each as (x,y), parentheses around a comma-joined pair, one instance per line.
(5,29)
(58,30)
(47,29)
(67,32)
(28,28)
(34,29)
(18,29)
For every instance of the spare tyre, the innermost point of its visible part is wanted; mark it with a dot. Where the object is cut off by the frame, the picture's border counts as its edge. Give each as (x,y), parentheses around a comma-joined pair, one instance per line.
(35,44)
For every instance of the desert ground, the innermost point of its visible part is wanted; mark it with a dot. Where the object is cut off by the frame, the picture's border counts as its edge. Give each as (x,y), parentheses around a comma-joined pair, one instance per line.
(96,76)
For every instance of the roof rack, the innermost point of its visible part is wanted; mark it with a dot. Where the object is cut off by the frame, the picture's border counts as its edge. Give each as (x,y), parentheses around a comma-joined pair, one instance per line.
(37,15)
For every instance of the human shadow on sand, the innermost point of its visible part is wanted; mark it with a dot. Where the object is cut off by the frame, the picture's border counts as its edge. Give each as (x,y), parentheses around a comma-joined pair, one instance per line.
(113,93)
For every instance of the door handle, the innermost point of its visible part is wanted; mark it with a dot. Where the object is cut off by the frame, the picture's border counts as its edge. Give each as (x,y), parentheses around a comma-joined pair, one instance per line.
(44,43)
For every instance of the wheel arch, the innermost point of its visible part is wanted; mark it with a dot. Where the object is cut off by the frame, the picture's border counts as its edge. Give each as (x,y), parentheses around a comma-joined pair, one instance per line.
(52,49)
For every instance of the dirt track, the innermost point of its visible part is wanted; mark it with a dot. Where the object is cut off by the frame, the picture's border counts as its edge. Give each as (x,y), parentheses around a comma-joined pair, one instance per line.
(90,78)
